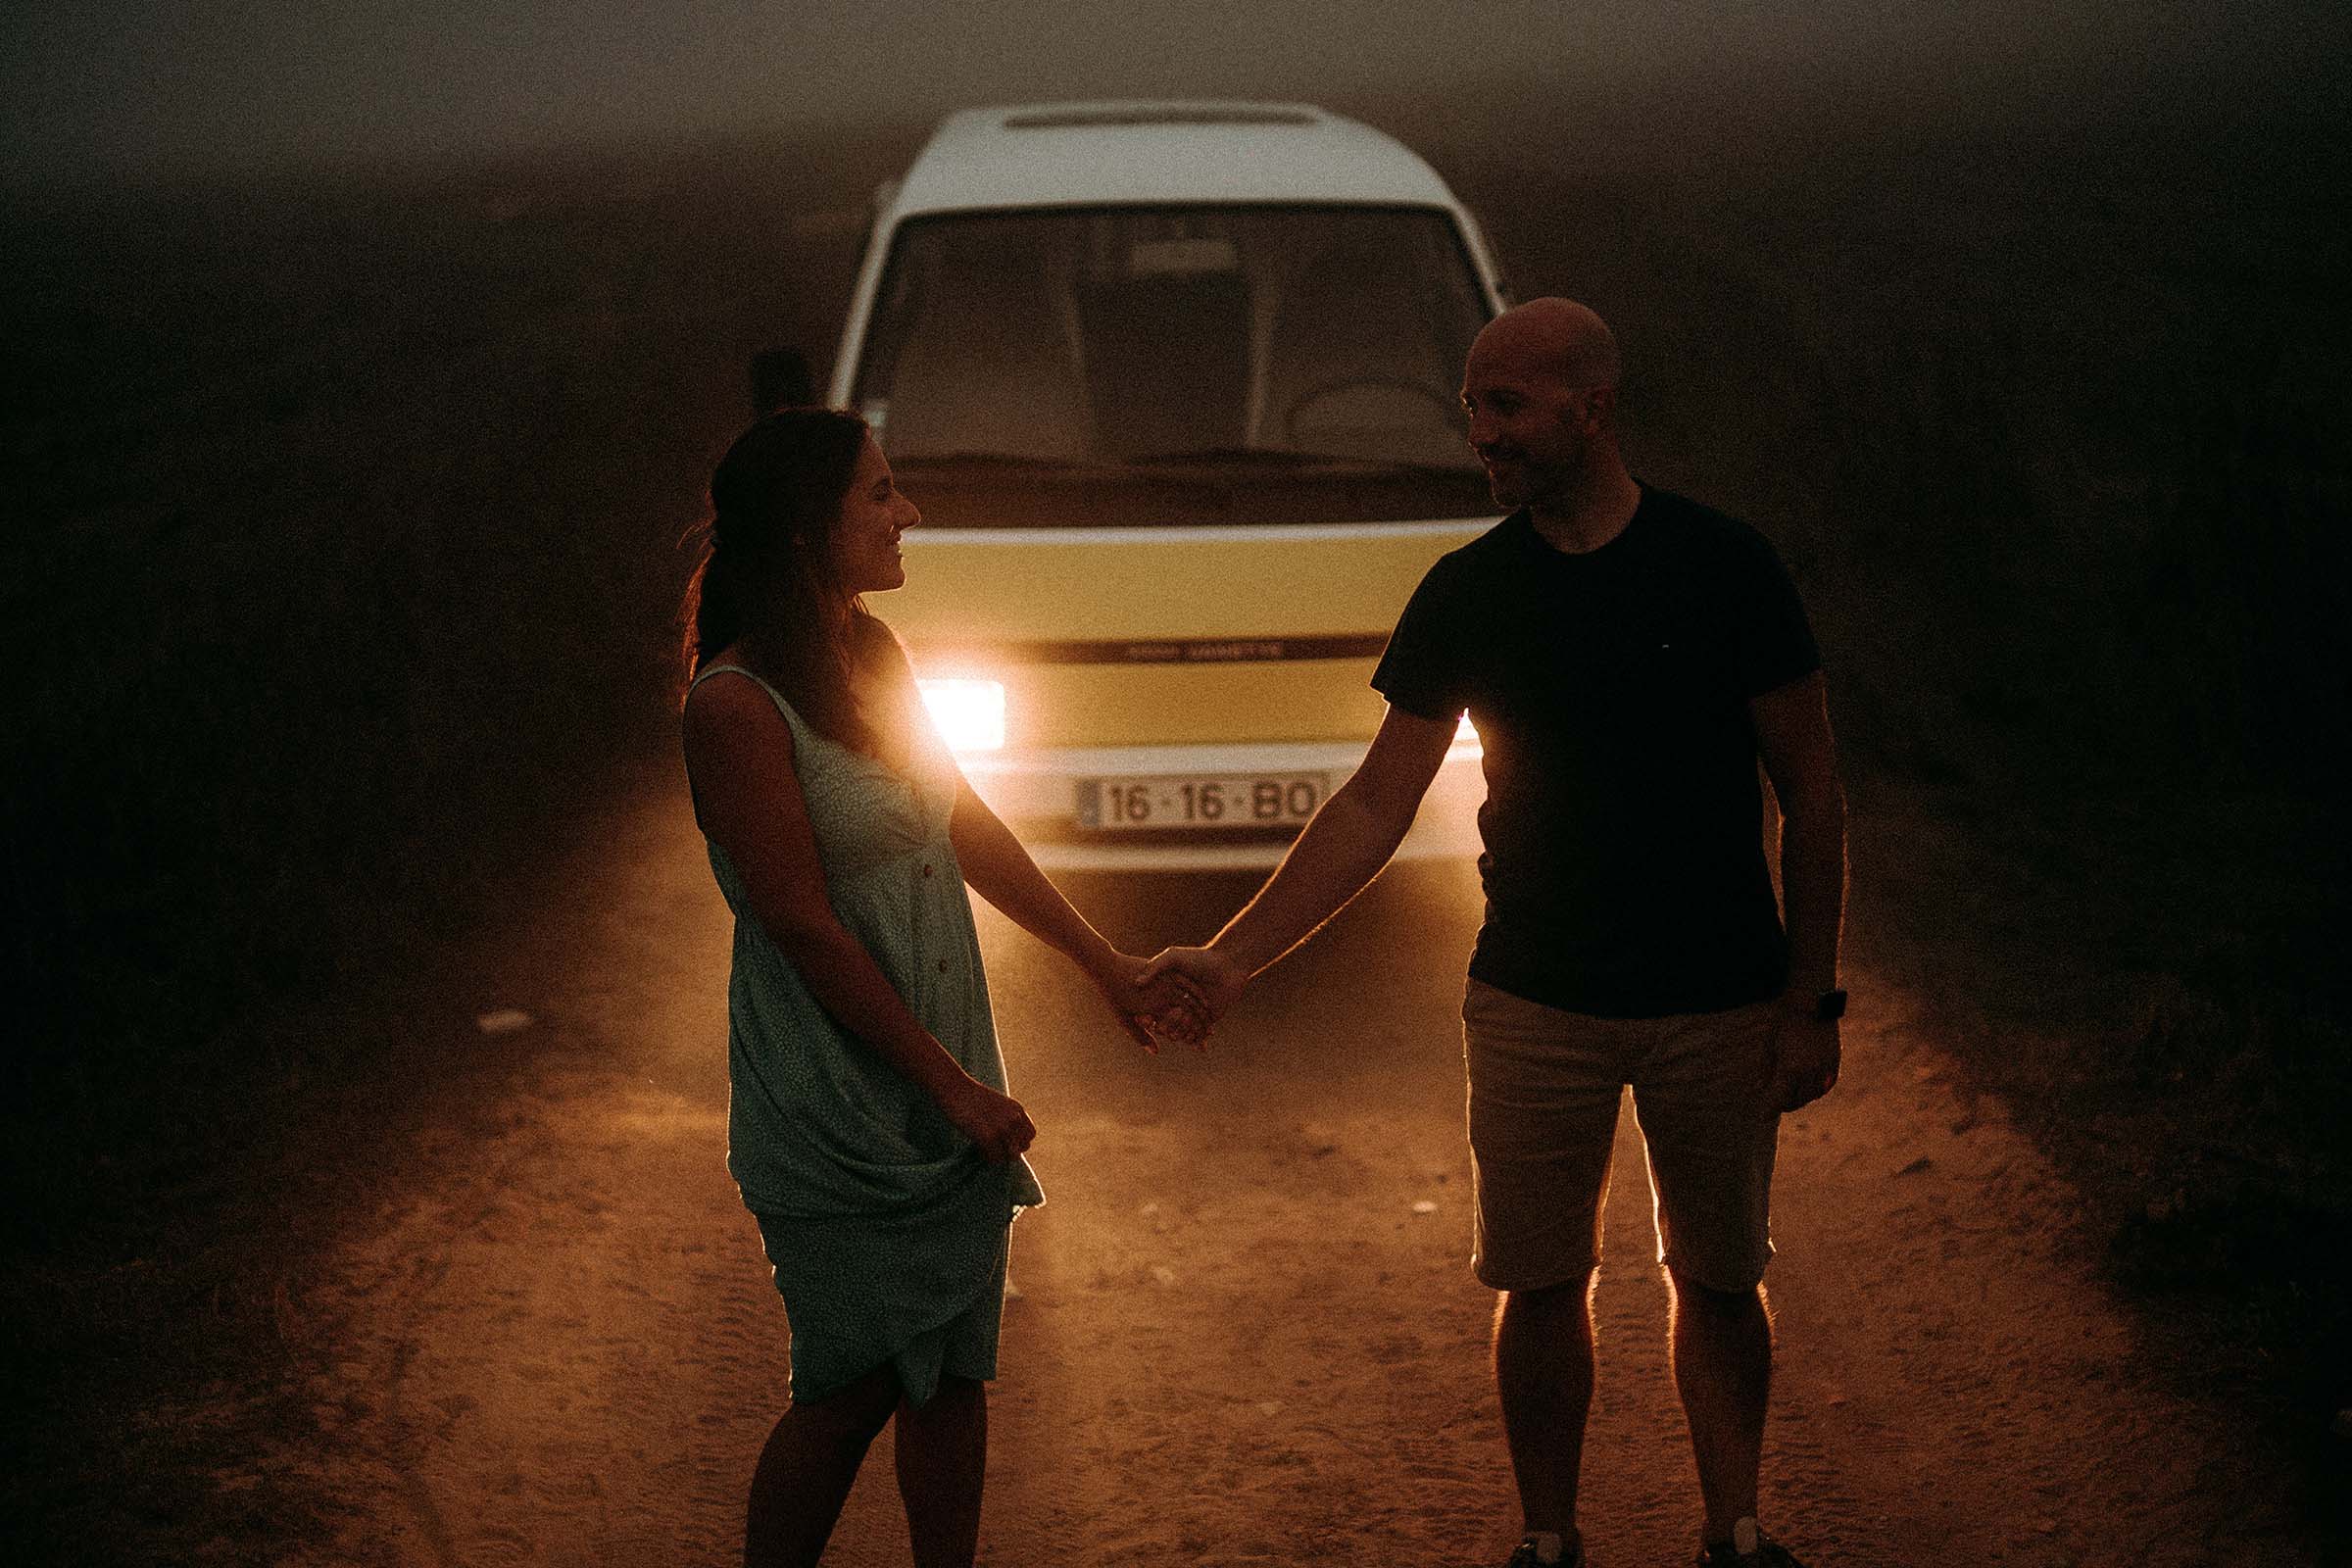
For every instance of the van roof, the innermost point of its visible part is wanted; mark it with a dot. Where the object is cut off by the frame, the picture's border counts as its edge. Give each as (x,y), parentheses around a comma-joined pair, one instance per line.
(1112,153)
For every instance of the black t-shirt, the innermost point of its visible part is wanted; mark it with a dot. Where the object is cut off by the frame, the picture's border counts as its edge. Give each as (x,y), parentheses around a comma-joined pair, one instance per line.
(1624,864)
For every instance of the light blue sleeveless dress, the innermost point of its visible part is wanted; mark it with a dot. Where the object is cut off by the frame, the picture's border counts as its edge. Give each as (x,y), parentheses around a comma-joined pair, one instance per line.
(886,1228)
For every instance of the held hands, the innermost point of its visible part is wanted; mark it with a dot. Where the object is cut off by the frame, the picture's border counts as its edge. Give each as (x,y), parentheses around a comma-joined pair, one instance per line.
(1153,1006)
(1213,981)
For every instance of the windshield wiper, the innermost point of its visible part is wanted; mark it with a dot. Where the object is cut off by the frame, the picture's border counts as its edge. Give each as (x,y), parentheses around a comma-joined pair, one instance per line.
(1288,458)
(1283,459)
(1282,456)
(983,459)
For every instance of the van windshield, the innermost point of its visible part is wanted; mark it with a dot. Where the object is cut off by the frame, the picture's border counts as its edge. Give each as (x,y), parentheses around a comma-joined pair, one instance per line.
(1177,364)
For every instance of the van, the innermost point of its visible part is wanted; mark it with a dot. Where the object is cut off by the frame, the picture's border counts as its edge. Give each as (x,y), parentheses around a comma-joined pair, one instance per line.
(1176,389)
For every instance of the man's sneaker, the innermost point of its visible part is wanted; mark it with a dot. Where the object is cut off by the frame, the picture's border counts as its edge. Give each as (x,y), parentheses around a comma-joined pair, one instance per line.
(1525,1557)
(1748,1547)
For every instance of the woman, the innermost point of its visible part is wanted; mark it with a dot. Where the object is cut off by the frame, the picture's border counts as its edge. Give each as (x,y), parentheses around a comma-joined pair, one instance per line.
(869,1126)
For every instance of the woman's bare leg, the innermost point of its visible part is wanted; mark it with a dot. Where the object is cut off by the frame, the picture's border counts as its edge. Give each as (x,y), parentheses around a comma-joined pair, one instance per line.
(806,1470)
(943,1460)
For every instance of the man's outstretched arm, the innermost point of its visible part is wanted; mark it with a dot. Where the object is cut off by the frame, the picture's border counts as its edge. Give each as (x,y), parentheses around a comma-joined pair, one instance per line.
(1339,851)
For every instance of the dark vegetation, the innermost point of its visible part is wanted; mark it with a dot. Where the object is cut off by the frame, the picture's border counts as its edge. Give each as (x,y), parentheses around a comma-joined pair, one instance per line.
(344,548)
(343,543)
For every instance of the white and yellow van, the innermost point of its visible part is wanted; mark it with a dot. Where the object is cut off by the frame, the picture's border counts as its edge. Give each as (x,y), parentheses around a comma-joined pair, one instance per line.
(1175,386)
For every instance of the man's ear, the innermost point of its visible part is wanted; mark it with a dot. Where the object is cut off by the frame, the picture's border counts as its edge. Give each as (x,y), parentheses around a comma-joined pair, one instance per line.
(1601,407)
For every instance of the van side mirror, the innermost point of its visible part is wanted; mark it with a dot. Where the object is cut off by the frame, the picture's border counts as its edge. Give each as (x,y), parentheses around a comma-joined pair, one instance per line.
(782,379)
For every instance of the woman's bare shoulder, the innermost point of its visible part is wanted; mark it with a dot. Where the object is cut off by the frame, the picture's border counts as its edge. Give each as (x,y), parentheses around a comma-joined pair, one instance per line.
(729,710)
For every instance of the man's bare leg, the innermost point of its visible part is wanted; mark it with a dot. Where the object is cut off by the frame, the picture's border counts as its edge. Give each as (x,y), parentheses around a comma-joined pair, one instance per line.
(1722,1346)
(1544,1370)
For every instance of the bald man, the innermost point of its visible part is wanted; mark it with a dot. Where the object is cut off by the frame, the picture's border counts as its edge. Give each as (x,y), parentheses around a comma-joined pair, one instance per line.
(1628,655)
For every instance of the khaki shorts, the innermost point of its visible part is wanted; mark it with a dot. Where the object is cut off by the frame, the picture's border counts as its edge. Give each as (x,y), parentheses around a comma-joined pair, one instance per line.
(1543,1090)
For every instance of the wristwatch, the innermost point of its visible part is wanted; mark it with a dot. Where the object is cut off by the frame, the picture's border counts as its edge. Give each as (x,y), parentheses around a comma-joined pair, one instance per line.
(1829,1005)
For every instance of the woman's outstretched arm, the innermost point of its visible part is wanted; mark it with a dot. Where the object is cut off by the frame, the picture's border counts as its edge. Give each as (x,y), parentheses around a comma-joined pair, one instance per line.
(1001,870)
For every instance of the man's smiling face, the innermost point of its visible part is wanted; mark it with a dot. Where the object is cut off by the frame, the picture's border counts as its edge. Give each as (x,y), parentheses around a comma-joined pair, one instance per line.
(1528,423)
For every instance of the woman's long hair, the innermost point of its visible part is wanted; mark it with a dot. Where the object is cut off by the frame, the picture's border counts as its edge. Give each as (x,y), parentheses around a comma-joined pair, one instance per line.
(766,579)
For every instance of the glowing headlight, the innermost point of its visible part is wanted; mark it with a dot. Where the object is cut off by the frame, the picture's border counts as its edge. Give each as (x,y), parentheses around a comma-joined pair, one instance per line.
(1465,740)
(969,714)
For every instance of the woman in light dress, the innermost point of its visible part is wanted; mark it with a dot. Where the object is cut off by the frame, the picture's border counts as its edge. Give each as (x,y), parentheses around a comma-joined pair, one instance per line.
(869,1126)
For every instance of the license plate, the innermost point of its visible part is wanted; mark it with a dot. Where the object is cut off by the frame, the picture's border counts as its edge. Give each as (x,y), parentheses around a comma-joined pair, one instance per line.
(1199,801)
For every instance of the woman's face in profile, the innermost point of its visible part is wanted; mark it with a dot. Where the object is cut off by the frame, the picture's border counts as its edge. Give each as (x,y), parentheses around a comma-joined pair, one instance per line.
(865,539)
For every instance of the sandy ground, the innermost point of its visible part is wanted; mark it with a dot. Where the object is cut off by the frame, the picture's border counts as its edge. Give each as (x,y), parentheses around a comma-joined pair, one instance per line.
(1244,1329)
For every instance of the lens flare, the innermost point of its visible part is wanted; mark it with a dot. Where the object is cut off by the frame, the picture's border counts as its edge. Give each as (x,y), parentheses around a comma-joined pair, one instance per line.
(969,714)
(1465,741)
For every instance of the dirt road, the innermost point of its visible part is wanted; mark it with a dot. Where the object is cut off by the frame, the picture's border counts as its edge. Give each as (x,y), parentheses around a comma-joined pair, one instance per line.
(1245,1331)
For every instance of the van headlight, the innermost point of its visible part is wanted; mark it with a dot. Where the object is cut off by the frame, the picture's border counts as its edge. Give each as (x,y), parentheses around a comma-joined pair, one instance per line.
(969,714)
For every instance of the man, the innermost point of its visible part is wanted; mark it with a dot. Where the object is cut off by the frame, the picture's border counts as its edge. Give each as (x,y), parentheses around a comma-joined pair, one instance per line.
(1627,656)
